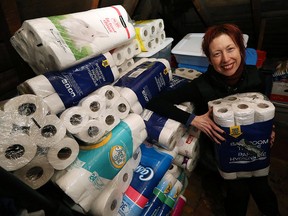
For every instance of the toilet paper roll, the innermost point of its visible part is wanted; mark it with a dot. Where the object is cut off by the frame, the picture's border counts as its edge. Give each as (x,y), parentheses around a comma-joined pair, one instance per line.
(217,102)
(123,68)
(182,161)
(75,183)
(40,86)
(24,109)
(16,151)
(118,56)
(223,115)
(162,36)
(110,198)
(175,170)
(264,110)
(109,92)
(187,73)
(93,104)
(148,45)
(49,132)
(33,35)
(243,113)
(110,59)
(121,107)
(231,99)
(60,156)
(143,33)
(21,47)
(168,138)
(251,96)
(137,108)
(74,118)
(109,119)
(159,25)
(54,103)
(188,145)
(135,46)
(137,127)
(92,131)
(108,203)
(128,94)
(36,173)
(129,50)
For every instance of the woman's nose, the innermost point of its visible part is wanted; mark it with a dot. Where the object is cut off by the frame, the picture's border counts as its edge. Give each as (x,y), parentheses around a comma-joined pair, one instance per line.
(225,56)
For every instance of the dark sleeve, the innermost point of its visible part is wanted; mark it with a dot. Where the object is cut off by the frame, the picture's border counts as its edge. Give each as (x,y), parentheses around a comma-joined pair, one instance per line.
(164,103)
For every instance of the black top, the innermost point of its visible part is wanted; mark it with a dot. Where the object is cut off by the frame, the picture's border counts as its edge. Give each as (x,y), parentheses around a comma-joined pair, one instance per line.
(209,86)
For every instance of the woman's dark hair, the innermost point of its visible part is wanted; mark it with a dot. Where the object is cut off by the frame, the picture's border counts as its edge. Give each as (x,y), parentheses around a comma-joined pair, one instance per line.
(231,30)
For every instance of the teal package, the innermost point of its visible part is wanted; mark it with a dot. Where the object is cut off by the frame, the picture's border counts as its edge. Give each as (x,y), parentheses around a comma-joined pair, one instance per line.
(108,156)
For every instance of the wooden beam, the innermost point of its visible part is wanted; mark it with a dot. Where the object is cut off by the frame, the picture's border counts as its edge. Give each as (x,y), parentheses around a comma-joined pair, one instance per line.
(94,4)
(256,16)
(202,12)
(11,15)
(130,6)
(261,34)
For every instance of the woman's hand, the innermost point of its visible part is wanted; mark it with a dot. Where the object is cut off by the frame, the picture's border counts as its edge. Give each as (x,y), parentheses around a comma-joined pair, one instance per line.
(207,126)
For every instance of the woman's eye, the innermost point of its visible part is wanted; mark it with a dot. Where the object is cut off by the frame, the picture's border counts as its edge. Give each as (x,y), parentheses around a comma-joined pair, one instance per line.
(231,49)
(216,54)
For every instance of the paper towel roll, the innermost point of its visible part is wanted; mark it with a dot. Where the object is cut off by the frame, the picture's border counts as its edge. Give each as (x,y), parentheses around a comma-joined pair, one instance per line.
(16,151)
(92,131)
(93,104)
(223,115)
(264,110)
(24,109)
(40,86)
(60,156)
(54,103)
(243,113)
(36,173)
(49,132)
(74,118)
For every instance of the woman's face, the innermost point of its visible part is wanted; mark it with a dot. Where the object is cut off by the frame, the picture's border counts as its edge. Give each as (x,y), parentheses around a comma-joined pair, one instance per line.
(224,55)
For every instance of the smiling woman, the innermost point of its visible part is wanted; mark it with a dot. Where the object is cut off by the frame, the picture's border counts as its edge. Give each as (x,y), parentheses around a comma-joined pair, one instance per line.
(226,75)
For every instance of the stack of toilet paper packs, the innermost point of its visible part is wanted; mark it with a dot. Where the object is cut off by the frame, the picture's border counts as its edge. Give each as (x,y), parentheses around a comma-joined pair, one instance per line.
(34,143)
(150,33)
(57,42)
(81,121)
(247,119)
